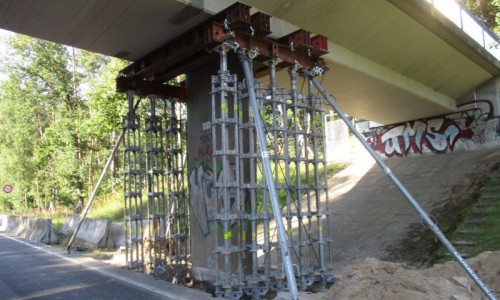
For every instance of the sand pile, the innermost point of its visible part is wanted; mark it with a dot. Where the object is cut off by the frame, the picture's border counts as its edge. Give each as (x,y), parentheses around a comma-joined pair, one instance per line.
(375,279)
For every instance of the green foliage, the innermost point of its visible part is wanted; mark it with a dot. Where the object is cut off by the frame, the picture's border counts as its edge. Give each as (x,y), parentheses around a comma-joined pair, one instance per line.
(484,232)
(109,207)
(106,106)
(306,177)
(487,11)
(59,116)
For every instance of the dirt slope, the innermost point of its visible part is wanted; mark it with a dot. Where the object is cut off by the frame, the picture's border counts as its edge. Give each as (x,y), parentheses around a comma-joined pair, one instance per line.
(374,279)
(370,217)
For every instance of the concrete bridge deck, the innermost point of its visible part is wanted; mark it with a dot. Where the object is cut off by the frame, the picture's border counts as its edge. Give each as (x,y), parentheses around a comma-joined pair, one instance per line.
(391,61)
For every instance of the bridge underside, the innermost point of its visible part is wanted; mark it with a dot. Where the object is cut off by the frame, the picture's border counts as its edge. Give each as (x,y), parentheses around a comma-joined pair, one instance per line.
(389,61)
(250,140)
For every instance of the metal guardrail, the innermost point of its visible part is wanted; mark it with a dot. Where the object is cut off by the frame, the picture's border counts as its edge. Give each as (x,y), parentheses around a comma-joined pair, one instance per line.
(469,24)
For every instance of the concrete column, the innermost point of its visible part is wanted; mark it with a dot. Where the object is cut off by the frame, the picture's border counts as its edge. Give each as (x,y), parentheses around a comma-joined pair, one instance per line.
(200,168)
(489,90)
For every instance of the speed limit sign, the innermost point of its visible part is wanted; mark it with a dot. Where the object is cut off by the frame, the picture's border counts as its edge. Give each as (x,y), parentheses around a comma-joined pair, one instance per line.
(7,188)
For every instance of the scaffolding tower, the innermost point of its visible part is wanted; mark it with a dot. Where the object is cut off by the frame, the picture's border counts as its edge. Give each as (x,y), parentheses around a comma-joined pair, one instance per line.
(156,232)
(248,247)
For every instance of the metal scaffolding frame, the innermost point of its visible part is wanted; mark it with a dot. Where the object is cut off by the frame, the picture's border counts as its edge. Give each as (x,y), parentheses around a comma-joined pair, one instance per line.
(258,154)
(156,242)
(178,207)
(273,115)
(132,185)
(262,139)
(255,193)
(228,201)
(156,232)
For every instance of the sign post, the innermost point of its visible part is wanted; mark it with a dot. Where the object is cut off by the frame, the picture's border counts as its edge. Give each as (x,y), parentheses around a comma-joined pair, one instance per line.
(7,188)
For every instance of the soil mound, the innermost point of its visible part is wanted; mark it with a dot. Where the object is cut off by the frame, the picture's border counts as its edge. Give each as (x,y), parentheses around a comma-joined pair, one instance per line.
(374,279)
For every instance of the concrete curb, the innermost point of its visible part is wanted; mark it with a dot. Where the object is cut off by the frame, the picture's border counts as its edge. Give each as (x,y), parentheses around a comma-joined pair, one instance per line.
(35,229)
(94,233)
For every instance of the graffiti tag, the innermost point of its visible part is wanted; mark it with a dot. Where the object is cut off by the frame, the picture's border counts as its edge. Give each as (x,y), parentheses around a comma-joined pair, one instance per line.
(437,135)
(205,198)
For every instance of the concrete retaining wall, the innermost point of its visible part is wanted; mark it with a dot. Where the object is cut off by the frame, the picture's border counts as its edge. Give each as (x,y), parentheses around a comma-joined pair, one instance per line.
(337,141)
(94,233)
(3,222)
(474,127)
(35,229)
(118,232)
(12,223)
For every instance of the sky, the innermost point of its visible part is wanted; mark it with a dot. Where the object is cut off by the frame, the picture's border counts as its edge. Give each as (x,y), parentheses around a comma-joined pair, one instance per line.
(4,35)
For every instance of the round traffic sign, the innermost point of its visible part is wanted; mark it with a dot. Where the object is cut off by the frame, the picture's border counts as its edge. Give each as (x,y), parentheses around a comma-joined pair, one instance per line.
(7,188)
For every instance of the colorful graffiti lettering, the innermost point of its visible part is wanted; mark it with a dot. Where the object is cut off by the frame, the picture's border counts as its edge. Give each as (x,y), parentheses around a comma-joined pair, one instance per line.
(436,135)
(204,196)
(204,156)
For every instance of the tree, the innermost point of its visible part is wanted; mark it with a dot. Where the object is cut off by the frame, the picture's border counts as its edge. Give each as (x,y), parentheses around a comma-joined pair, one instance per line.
(58,112)
(17,140)
(487,11)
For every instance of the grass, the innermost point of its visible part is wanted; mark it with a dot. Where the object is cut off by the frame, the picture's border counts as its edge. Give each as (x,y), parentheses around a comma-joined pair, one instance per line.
(330,170)
(110,206)
(107,207)
(486,235)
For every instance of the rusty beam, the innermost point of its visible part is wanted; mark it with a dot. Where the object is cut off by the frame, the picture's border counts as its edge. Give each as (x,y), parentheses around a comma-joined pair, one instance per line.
(261,24)
(180,48)
(184,66)
(148,88)
(267,48)
(320,45)
(188,44)
(237,16)
(300,39)
(189,50)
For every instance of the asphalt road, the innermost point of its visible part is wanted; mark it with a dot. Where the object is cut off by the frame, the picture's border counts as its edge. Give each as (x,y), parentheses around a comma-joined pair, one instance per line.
(30,273)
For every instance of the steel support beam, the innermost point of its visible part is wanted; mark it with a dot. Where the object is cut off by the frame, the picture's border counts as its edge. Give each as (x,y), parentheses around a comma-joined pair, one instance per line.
(235,25)
(148,88)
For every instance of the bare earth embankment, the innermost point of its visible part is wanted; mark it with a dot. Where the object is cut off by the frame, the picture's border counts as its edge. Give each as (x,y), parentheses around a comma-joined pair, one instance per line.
(374,279)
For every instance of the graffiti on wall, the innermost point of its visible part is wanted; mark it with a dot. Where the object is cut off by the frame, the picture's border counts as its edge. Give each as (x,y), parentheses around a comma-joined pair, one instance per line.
(203,195)
(475,124)
(201,188)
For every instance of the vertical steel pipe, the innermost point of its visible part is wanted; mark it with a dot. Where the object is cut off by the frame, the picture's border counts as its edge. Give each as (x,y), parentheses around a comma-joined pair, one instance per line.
(285,254)
(435,229)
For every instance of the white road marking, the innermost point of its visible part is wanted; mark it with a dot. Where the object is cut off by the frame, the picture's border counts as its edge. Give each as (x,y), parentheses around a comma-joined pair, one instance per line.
(96,269)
